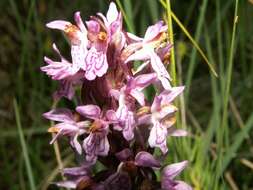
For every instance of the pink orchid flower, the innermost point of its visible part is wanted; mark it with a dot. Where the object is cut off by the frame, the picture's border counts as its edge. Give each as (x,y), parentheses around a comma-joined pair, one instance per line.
(113,22)
(96,144)
(96,59)
(124,118)
(67,126)
(77,35)
(58,70)
(63,71)
(144,49)
(161,109)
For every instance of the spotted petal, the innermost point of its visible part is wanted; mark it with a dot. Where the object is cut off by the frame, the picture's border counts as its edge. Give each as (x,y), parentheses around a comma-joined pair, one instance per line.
(96,144)
(96,64)
(157,137)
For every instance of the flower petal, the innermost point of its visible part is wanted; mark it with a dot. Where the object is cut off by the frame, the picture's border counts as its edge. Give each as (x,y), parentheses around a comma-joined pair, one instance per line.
(59,114)
(75,144)
(96,144)
(80,23)
(67,184)
(156,105)
(58,24)
(104,146)
(165,82)
(166,110)
(153,31)
(76,171)
(90,111)
(172,170)
(145,119)
(58,70)
(78,54)
(158,66)
(101,67)
(111,116)
(172,131)
(157,137)
(181,185)
(96,64)
(142,81)
(139,96)
(128,130)
(139,55)
(93,26)
(112,13)
(146,159)
(124,155)
(169,95)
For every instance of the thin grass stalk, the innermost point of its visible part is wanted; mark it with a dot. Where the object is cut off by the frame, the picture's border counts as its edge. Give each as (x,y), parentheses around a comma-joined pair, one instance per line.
(24,148)
(171,40)
(195,44)
(219,44)
(129,13)
(153,10)
(238,140)
(194,52)
(22,184)
(214,121)
(227,91)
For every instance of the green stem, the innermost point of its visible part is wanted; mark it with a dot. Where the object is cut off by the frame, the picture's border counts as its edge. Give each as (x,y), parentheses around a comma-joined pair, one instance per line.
(227,87)
(24,148)
(171,40)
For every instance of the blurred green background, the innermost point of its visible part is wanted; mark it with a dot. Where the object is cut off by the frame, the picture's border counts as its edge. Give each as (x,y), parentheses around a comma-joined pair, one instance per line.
(216,111)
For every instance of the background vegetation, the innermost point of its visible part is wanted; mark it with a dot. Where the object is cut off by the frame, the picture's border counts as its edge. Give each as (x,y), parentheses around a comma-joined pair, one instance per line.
(216,110)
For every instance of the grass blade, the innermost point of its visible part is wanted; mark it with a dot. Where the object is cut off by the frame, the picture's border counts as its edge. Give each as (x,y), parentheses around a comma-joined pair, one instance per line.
(171,40)
(221,165)
(24,147)
(153,10)
(240,136)
(127,20)
(195,44)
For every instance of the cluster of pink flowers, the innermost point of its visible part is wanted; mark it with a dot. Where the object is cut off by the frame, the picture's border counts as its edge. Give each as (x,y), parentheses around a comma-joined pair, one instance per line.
(114,123)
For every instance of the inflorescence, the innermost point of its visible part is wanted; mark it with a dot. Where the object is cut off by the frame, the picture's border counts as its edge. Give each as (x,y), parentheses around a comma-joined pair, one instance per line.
(115,123)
